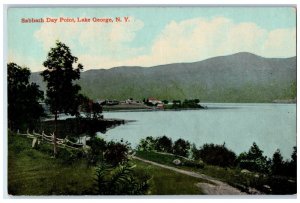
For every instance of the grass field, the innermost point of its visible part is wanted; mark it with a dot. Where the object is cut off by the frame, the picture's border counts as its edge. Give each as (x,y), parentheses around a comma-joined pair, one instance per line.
(35,172)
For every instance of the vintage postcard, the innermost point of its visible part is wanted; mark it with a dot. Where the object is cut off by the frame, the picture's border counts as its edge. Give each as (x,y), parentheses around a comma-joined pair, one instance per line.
(151,100)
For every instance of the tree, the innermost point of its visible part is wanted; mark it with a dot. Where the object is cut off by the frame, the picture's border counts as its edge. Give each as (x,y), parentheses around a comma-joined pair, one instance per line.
(292,168)
(24,109)
(62,94)
(277,163)
(254,160)
(165,101)
(181,147)
(217,155)
(164,144)
(147,144)
(96,110)
(86,106)
(116,153)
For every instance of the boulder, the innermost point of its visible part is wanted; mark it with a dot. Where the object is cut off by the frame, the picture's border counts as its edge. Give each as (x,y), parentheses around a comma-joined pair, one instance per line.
(245,171)
(176,162)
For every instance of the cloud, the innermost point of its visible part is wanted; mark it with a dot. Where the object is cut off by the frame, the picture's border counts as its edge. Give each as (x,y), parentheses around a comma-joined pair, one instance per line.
(110,45)
(94,38)
(32,63)
(198,39)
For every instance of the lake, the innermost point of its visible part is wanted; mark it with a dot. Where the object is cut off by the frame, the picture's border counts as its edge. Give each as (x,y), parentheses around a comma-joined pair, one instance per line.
(271,126)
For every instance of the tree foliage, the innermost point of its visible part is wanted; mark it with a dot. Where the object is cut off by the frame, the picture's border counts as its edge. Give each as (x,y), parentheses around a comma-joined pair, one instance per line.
(112,153)
(216,155)
(164,144)
(24,109)
(62,94)
(116,153)
(181,147)
(90,108)
(254,160)
(277,163)
(147,144)
(280,167)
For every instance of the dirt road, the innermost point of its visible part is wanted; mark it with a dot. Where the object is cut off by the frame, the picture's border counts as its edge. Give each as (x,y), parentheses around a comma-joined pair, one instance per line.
(215,188)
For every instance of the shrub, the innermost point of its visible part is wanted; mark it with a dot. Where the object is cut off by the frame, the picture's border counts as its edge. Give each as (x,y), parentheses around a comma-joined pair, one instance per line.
(147,144)
(119,181)
(195,153)
(116,153)
(217,155)
(193,164)
(98,147)
(181,148)
(163,144)
(254,160)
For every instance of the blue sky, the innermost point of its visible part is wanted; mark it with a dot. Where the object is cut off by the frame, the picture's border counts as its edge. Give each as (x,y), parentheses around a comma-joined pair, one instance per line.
(154,35)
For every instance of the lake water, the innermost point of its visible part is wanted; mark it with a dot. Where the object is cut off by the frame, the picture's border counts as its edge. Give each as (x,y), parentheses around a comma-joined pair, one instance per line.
(271,126)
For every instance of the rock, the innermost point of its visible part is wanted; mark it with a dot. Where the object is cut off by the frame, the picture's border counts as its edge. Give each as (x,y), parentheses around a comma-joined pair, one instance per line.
(176,162)
(245,171)
(253,191)
(267,188)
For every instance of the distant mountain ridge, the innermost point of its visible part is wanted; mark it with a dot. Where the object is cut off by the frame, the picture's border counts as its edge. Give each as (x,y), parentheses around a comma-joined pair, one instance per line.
(241,77)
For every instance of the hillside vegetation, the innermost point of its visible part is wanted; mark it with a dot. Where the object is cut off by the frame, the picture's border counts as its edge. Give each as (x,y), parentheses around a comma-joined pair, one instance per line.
(242,77)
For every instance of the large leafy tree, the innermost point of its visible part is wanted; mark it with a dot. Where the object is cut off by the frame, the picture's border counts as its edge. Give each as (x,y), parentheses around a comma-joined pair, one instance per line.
(24,109)
(62,93)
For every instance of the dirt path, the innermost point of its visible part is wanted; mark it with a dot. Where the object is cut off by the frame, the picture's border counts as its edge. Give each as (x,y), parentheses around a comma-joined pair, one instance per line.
(217,188)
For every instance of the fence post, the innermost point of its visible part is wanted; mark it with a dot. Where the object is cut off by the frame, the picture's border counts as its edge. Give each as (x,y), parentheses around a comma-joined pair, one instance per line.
(84,141)
(34,142)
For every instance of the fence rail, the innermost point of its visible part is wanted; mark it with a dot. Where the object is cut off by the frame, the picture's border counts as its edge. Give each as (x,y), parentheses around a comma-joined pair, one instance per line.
(62,143)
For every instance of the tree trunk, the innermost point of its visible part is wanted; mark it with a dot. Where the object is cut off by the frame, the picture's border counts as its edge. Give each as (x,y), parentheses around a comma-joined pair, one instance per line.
(54,136)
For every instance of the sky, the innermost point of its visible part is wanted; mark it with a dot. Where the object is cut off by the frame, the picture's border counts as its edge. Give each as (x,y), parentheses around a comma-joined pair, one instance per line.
(152,36)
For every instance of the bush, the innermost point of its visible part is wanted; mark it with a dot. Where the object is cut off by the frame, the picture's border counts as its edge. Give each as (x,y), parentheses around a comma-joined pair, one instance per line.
(254,160)
(147,144)
(116,153)
(98,147)
(195,153)
(217,155)
(193,164)
(163,144)
(181,148)
(119,181)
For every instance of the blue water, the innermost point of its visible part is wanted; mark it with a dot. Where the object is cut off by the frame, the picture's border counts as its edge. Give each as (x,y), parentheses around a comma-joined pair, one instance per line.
(271,126)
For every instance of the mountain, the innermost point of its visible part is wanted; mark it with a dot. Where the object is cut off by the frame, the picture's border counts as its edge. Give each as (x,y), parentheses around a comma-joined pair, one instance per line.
(241,77)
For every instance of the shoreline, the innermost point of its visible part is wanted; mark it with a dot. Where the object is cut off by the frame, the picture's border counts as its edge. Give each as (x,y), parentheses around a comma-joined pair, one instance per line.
(150,110)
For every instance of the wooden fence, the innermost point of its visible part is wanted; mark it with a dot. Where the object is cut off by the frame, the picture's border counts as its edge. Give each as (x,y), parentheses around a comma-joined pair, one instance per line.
(63,143)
